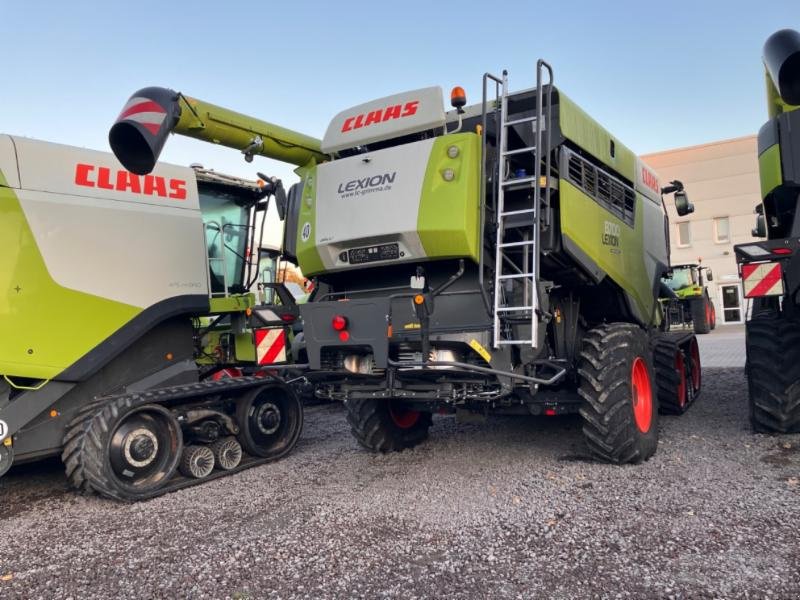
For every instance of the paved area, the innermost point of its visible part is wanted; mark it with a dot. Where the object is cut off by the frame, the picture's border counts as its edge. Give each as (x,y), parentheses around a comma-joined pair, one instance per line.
(723,347)
(508,509)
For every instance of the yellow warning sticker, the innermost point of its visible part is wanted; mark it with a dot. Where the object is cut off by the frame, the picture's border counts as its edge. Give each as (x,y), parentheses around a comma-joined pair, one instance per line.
(476,345)
(412,326)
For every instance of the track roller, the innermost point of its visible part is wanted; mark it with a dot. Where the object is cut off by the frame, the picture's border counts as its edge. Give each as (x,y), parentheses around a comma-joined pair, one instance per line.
(227,452)
(197,462)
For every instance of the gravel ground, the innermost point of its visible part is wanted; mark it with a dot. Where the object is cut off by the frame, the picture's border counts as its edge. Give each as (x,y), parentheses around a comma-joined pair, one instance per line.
(510,508)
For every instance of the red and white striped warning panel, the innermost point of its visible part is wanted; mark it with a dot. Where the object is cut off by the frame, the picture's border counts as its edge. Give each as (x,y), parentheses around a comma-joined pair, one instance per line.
(763,279)
(270,345)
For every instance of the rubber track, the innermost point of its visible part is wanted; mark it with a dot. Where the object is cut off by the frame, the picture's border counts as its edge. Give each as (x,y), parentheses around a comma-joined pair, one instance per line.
(773,372)
(83,453)
(371,425)
(604,372)
(667,378)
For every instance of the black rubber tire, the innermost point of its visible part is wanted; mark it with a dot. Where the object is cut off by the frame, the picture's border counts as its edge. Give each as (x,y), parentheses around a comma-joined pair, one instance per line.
(699,310)
(373,426)
(86,449)
(277,443)
(773,372)
(197,462)
(605,370)
(672,378)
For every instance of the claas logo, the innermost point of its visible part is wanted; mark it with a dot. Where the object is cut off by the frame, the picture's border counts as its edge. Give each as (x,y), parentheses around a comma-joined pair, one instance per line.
(650,180)
(124,181)
(396,111)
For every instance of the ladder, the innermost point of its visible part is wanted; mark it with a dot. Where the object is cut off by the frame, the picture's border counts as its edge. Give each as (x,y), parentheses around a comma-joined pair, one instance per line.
(507,246)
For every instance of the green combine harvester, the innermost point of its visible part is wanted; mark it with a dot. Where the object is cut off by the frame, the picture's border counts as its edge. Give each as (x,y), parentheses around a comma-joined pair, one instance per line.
(693,305)
(504,257)
(125,307)
(770,269)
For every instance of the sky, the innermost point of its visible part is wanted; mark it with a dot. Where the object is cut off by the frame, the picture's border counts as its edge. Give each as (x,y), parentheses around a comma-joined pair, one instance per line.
(658,75)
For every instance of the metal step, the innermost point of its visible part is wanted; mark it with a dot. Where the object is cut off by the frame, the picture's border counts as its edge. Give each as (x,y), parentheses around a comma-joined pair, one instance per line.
(517,244)
(514,342)
(514,308)
(519,180)
(515,276)
(519,151)
(522,211)
(521,121)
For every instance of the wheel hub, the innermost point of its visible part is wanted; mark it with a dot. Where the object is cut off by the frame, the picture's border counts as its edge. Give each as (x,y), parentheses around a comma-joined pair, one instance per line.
(140,447)
(268,418)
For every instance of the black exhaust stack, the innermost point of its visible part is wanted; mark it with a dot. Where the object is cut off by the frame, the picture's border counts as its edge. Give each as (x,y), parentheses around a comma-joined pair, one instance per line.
(142,128)
(782,60)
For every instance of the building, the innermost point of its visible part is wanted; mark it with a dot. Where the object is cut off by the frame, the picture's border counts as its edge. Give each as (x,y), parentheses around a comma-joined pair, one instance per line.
(721,179)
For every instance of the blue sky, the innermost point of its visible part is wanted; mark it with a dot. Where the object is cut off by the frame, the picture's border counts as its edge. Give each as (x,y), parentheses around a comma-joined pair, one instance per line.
(658,75)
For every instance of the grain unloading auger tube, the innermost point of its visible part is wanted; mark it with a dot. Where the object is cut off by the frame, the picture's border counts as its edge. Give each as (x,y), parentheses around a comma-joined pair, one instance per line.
(145,122)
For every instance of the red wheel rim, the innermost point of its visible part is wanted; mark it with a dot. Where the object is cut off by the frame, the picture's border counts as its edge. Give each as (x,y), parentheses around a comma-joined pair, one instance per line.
(641,395)
(226,373)
(708,313)
(694,353)
(404,418)
(680,367)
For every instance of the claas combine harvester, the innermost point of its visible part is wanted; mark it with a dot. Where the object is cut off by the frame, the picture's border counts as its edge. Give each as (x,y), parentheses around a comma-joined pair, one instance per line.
(124,300)
(501,257)
(770,269)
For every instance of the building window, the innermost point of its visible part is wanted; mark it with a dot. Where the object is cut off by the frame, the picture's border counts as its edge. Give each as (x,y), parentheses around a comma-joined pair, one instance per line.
(684,235)
(722,230)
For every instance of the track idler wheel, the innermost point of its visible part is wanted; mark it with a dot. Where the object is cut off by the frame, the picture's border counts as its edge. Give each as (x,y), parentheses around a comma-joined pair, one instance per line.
(227,452)
(124,451)
(270,420)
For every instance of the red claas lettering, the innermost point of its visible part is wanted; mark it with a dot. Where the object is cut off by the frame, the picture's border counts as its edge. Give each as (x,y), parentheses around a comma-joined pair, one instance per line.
(104,178)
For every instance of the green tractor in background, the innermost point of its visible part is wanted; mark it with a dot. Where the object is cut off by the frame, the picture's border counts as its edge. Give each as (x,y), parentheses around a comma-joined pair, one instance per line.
(692,304)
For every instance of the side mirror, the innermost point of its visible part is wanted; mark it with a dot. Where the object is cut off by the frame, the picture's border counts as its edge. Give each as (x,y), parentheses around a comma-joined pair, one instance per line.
(280,201)
(709,275)
(760,230)
(682,204)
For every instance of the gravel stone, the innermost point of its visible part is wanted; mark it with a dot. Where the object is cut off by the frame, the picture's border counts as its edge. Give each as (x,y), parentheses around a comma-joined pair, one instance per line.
(512,508)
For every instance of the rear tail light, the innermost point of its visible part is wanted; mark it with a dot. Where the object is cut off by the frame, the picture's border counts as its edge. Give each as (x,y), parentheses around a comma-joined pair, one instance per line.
(782,251)
(340,323)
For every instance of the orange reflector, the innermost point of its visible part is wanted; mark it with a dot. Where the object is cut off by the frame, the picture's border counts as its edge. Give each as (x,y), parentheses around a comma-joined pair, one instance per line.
(248,311)
(389,331)
(458,97)
(53,413)
(419,299)
(7,442)
(169,356)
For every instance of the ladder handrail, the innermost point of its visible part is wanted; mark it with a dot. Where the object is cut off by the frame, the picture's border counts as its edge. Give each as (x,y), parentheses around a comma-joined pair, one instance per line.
(531,238)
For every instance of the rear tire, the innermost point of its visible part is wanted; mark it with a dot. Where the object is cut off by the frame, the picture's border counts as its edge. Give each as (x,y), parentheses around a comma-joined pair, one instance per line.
(385,426)
(620,412)
(773,372)
(701,314)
